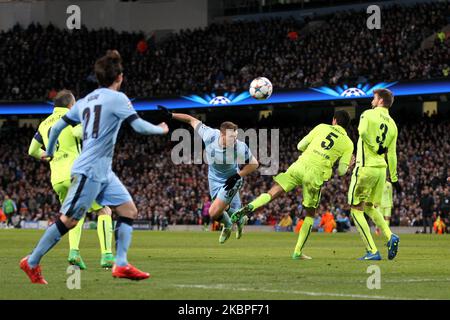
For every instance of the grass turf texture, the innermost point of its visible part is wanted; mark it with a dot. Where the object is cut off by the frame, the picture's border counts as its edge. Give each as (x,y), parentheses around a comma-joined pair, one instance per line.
(192,265)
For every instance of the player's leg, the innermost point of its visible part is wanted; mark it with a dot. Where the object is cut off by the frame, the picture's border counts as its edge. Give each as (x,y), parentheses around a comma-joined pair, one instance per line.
(235,205)
(115,194)
(74,257)
(312,184)
(359,190)
(80,196)
(387,212)
(217,212)
(221,203)
(376,216)
(104,233)
(284,182)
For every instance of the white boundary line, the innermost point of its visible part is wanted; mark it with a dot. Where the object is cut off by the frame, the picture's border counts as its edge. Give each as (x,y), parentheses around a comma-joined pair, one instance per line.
(307,293)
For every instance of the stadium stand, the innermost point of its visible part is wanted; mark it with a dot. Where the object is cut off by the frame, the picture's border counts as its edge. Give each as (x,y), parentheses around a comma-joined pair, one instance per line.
(229,55)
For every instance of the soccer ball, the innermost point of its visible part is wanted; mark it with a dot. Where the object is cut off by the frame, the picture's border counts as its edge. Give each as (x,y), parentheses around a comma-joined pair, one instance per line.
(261,88)
(220,100)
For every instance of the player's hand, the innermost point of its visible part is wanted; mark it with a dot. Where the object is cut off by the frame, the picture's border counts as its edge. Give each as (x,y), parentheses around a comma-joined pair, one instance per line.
(164,126)
(46,157)
(381,150)
(231,181)
(165,112)
(397,187)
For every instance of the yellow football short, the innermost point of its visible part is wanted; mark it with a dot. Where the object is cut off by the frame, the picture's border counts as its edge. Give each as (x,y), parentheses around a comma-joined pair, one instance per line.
(309,177)
(62,188)
(367,185)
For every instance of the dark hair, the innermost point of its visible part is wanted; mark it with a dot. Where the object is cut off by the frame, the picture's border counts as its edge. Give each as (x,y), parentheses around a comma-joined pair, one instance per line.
(228,125)
(108,68)
(63,98)
(342,118)
(386,95)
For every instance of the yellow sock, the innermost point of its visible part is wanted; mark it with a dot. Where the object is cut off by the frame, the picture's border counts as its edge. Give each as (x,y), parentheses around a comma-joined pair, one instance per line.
(104,232)
(304,234)
(262,200)
(364,230)
(75,235)
(378,218)
(388,222)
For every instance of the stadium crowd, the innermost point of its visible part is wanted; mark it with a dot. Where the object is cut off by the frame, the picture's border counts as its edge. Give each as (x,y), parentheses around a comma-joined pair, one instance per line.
(166,193)
(227,56)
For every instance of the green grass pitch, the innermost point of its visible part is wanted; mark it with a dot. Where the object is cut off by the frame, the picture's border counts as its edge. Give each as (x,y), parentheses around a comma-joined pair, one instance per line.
(192,265)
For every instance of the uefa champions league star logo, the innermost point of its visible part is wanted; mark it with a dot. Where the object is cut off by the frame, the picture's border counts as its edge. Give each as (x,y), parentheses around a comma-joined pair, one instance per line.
(360,91)
(213,99)
(220,100)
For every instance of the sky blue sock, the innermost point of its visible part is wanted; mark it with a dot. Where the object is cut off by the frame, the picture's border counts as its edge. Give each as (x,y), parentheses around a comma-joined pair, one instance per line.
(124,230)
(226,220)
(51,237)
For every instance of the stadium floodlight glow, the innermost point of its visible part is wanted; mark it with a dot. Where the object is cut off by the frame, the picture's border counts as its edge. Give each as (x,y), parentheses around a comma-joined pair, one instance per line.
(361,90)
(236,99)
(213,99)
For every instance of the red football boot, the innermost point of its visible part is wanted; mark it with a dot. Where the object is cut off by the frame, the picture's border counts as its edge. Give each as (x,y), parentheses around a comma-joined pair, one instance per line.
(129,272)
(34,274)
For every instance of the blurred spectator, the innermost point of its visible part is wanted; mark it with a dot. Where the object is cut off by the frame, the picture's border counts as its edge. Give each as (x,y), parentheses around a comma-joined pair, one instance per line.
(342,222)
(439,226)
(142,46)
(327,222)
(9,208)
(427,205)
(285,223)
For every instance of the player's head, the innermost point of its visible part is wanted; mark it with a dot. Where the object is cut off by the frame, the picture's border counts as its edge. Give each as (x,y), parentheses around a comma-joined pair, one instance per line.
(64,99)
(382,98)
(228,133)
(109,70)
(342,118)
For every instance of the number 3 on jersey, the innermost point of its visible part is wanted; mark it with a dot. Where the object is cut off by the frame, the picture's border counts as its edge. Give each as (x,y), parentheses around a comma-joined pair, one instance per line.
(87,116)
(384,130)
(330,141)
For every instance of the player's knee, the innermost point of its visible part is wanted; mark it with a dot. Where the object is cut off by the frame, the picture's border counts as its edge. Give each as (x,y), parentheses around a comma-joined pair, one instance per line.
(368,205)
(212,211)
(106,211)
(70,223)
(310,212)
(133,213)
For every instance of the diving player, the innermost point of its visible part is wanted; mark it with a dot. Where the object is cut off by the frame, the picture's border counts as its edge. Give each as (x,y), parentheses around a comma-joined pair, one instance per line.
(224,153)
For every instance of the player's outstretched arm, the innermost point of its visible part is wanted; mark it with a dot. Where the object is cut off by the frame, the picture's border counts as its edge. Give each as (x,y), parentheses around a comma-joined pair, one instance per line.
(193,122)
(144,127)
(35,149)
